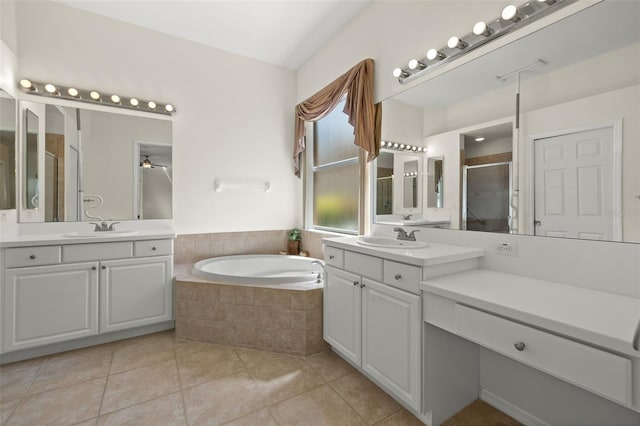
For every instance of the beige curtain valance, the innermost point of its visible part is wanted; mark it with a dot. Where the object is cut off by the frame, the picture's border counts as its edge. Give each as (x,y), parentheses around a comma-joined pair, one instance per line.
(364,115)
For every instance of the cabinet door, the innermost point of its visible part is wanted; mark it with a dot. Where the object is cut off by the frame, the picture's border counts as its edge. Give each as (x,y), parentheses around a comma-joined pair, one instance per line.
(342,314)
(135,292)
(48,304)
(391,340)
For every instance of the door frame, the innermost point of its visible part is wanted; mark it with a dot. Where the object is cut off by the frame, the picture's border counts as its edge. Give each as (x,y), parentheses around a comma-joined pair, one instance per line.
(616,128)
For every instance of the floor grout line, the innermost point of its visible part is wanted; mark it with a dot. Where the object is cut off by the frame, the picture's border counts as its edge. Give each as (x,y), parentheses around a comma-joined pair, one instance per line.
(106,383)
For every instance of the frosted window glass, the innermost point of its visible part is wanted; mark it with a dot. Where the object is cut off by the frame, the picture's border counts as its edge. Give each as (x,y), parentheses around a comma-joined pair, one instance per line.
(335,197)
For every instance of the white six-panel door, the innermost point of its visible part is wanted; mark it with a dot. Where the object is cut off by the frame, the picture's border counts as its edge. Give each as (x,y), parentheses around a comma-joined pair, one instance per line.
(575,185)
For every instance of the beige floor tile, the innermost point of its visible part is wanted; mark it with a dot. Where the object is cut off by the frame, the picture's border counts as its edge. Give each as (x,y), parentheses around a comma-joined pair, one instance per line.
(67,405)
(17,377)
(222,400)
(261,417)
(6,408)
(319,407)
(186,347)
(90,422)
(330,366)
(365,397)
(280,377)
(480,413)
(213,362)
(72,367)
(167,410)
(401,418)
(142,351)
(140,385)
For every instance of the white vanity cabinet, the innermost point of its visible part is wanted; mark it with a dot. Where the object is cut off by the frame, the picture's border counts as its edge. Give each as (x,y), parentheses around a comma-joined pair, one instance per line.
(374,325)
(58,293)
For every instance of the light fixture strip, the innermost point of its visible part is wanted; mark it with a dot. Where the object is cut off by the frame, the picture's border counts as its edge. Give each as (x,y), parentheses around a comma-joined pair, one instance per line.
(528,13)
(93,97)
(407,148)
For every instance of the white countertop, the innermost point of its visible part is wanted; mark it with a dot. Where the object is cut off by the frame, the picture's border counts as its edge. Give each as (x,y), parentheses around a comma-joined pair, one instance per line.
(604,319)
(433,254)
(47,239)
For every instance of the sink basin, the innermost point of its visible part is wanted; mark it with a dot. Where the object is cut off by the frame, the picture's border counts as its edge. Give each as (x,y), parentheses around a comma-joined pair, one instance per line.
(96,234)
(389,242)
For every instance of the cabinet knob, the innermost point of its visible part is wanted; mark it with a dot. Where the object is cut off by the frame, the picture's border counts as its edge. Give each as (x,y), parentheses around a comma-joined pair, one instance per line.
(153,248)
(93,268)
(356,283)
(397,277)
(33,256)
(103,267)
(519,346)
(362,285)
(331,257)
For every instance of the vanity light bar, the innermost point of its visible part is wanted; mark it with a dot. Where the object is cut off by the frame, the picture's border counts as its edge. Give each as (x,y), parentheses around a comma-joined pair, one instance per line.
(402,147)
(93,97)
(511,18)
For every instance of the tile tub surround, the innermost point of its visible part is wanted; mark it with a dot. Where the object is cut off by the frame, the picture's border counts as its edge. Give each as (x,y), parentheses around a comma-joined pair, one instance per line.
(279,320)
(194,247)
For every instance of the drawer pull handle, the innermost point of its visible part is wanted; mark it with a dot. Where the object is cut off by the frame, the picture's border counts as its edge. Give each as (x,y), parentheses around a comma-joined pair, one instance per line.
(93,268)
(153,248)
(519,346)
(362,285)
(331,257)
(397,277)
(33,256)
(356,283)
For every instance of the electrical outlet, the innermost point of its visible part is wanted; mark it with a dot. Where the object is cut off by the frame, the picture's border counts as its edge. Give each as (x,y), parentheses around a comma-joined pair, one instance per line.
(506,249)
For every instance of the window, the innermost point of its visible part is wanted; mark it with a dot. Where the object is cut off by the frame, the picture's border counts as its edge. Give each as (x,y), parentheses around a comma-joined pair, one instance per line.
(333,175)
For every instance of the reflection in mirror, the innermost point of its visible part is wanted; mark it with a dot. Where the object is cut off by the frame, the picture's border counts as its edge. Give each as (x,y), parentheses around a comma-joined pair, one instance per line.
(8,144)
(573,145)
(410,183)
(31,160)
(435,182)
(384,183)
(93,162)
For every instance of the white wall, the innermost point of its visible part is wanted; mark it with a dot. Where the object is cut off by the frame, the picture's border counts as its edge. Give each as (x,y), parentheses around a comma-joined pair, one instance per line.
(234,115)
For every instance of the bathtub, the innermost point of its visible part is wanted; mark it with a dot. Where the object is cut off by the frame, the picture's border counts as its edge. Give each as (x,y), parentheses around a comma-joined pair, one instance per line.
(260,270)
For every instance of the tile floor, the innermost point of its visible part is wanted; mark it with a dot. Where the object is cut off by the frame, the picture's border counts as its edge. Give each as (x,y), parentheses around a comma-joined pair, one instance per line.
(157,380)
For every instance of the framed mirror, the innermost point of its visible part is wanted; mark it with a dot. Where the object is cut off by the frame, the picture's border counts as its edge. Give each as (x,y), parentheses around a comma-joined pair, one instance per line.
(435,182)
(8,151)
(30,165)
(102,165)
(564,165)
(410,184)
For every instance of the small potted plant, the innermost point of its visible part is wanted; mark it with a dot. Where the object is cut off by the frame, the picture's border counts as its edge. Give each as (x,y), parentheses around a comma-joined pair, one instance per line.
(294,242)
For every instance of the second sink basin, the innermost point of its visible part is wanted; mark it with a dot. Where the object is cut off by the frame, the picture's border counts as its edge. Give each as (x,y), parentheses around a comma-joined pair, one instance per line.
(386,242)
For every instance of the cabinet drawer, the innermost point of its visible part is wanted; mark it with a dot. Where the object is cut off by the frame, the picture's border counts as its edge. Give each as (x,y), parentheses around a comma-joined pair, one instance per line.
(334,257)
(598,371)
(402,276)
(152,248)
(32,256)
(97,251)
(361,264)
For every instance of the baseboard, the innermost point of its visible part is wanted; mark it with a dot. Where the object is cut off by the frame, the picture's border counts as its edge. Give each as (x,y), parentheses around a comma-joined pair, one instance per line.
(514,411)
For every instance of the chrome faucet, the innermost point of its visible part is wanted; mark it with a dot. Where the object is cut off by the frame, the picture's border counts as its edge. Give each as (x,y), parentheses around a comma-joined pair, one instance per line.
(402,234)
(406,217)
(104,226)
(320,274)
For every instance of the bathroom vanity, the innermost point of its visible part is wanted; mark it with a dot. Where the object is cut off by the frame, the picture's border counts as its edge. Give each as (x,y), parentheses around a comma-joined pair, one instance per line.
(67,290)
(415,321)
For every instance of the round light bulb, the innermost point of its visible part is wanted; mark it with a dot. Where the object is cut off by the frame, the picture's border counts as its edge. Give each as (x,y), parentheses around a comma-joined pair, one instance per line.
(479,139)
(397,72)
(26,83)
(94,95)
(415,148)
(395,145)
(414,63)
(115,99)
(152,105)
(401,146)
(481,28)
(134,102)
(433,54)
(509,12)
(72,92)
(50,88)
(453,42)
(168,107)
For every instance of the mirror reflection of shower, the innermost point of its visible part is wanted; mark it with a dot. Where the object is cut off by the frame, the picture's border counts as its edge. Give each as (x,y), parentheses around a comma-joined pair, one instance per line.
(154,178)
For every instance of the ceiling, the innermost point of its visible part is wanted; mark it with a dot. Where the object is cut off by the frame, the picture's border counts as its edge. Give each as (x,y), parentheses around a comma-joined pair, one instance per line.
(280,32)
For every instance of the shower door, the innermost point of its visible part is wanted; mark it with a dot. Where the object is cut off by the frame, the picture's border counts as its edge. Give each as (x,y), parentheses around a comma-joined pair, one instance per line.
(486,197)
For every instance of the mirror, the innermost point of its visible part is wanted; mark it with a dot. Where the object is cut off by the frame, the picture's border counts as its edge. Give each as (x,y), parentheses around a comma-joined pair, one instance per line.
(8,144)
(435,182)
(410,199)
(32,125)
(103,165)
(565,166)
